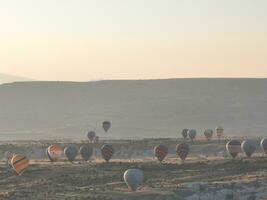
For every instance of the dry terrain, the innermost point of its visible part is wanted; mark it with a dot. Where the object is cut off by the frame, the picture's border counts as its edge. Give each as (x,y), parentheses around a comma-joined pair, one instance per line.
(207,174)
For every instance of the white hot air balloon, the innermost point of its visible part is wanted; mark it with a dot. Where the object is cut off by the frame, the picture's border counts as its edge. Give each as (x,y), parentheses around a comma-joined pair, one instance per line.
(134,178)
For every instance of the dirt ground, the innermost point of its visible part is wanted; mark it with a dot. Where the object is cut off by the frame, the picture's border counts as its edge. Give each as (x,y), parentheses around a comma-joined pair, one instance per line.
(200,177)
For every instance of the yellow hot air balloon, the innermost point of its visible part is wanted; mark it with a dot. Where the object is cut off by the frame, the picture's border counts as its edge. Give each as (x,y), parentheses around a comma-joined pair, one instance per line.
(19,163)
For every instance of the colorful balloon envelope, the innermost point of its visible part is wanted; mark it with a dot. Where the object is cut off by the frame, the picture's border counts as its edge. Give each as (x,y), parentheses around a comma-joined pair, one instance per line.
(233,147)
(107,152)
(160,152)
(184,133)
(248,147)
(106,125)
(192,133)
(86,152)
(91,135)
(182,150)
(54,152)
(134,178)
(71,152)
(219,131)
(208,134)
(19,163)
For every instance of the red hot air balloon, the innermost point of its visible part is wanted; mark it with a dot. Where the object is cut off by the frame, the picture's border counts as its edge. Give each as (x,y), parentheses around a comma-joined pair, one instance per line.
(160,152)
(182,150)
(107,152)
(233,147)
(54,152)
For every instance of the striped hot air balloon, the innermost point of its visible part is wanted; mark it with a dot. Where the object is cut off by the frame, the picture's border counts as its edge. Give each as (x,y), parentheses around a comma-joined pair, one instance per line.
(107,152)
(233,147)
(54,152)
(19,163)
(182,150)
(219,131)
(160,152)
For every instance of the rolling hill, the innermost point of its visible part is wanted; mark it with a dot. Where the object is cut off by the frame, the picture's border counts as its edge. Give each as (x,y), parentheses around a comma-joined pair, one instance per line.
(137,109)
(5,78)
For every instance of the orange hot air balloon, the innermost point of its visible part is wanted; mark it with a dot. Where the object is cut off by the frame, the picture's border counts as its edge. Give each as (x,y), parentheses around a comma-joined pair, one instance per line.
(107,152)
(160,152)
(54,152)
(19,163)
(182,150)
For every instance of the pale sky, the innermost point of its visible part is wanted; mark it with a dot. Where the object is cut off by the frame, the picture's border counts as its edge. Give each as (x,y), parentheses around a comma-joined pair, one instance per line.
(83,40)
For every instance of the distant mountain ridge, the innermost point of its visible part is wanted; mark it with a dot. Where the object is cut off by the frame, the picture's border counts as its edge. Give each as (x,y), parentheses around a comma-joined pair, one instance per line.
(6,78)
(136,108)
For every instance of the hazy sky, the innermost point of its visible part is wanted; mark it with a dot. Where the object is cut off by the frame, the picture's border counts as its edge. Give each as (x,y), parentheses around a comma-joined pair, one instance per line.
(133,39)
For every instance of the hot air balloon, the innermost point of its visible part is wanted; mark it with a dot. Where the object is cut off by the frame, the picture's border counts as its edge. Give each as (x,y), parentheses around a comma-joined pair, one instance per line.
(106,125)
(219,131)
(19,163)
(233,147)
(249,147)
(54,152)
(107,152)
(264,145)
(160,152)
(192,134)
(184,133)
(71,152)
(133,178)
(91,135)
(208,134)
(86,152)
(96,139)
(182,150)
